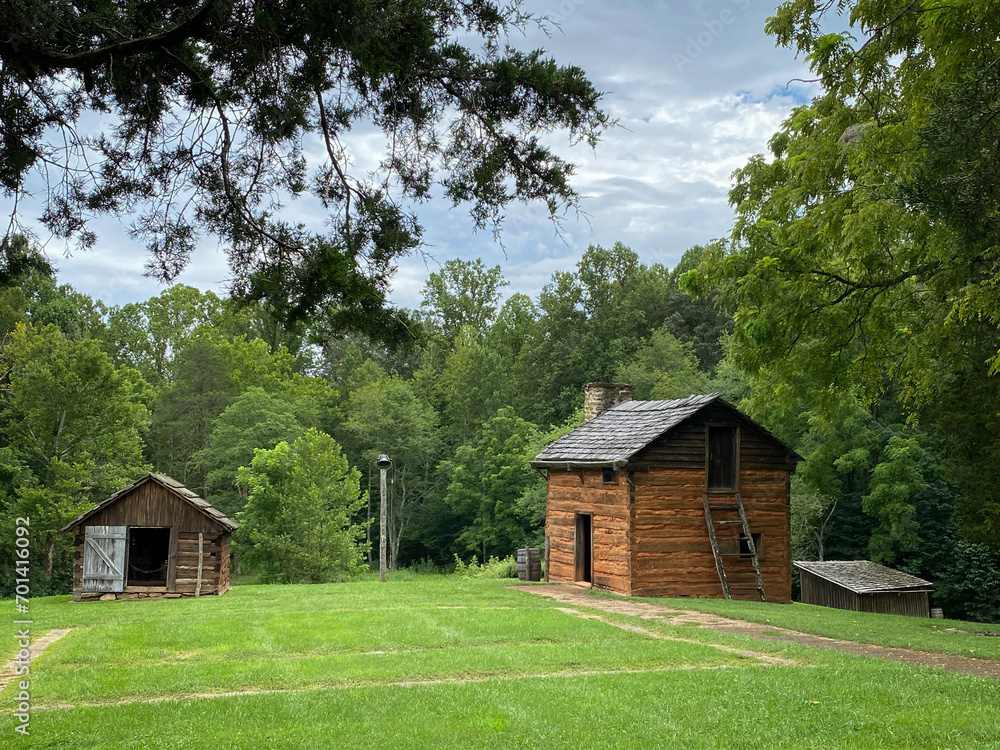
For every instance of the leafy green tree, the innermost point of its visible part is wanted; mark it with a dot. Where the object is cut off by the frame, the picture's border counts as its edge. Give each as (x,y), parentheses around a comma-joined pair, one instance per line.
(665,368)
(864,252)
(811,514)
(184,413)
(488,481)
(211,107)
(697,320)
(462,293)
(255,420)
(894,484)
(387,416)
(209,373)
(298,524)
(72,425)
(555,358)
(474,383)
(592,323)
(968,587)
(615,322)
(147,335)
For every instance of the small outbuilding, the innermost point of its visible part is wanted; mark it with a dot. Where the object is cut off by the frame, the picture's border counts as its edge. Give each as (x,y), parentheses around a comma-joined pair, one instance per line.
(864,586)
(155,539)
(687,497)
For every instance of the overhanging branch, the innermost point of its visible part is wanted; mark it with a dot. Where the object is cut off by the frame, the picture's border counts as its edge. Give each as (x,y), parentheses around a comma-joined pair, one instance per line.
(16,47)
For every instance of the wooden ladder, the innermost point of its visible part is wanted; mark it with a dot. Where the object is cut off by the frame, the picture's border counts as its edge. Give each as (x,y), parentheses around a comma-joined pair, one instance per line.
(719,566)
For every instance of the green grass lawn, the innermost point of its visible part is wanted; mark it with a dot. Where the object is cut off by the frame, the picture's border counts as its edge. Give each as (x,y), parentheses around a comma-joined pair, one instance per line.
(500,669)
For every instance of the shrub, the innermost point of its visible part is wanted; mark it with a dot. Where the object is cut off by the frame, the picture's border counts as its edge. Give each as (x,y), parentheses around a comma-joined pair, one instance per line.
(494,568)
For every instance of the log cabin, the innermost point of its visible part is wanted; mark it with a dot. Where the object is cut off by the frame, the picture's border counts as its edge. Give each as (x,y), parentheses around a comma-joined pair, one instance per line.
(154,539)
(686,498)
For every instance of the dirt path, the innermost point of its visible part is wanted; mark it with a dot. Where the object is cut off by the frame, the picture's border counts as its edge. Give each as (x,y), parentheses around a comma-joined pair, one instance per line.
(36,647)
(569,594)
(394,683)
(765,658)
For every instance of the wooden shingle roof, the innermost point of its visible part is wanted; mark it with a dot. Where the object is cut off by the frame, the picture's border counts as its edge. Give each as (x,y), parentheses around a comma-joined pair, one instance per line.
(864,576)
(174,486)
(618,434)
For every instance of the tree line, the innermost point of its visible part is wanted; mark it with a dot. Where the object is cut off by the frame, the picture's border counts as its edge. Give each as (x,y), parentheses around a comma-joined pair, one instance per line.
(279,427)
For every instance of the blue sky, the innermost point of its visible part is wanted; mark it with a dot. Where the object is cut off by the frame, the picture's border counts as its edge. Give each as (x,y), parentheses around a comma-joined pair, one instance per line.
(697,87)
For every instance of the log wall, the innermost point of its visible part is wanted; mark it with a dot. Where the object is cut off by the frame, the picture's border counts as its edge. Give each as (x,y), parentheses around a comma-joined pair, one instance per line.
(214,571)
(671,551)
(584,491)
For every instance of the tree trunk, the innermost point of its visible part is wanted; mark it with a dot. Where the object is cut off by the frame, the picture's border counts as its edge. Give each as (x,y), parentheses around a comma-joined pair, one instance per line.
(50,555)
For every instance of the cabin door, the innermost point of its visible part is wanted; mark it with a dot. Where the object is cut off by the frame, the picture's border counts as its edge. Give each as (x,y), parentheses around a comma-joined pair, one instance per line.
(104,558)
(583,547)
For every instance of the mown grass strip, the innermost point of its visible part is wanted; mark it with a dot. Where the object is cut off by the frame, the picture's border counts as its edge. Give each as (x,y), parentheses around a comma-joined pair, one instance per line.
(851,706)
(66,683)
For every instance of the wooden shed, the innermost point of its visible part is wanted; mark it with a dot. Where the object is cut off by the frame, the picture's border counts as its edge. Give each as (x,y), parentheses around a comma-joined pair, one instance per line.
(688,497)
(155,539)
(864,586)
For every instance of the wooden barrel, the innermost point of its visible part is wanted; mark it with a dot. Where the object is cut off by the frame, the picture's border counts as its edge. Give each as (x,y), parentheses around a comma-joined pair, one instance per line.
(529,564)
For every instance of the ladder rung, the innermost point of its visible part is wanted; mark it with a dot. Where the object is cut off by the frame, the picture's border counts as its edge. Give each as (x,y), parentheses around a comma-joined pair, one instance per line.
(720,523)
(724,506)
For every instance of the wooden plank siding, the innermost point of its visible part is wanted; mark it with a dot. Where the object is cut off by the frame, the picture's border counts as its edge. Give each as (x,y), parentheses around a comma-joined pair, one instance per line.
(816,590)
(151,504)
(684,446)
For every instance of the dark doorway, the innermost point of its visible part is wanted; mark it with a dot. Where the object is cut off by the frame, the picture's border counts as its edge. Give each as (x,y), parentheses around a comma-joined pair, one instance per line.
(583,548)
(148,550)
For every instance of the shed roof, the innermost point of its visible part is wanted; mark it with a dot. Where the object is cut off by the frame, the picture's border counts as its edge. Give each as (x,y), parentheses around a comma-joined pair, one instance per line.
(174,486)
(864,576)
(618,434)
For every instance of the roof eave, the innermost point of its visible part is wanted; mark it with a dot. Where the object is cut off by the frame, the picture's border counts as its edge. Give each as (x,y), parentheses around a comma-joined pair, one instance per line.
(570,464)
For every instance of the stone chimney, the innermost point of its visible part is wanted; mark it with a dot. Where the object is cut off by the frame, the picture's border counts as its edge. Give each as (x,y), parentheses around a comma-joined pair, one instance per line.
(599,397)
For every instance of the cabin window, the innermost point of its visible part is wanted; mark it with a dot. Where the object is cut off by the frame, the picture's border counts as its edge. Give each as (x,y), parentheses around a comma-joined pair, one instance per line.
(758,543)
(609,476)
(722,458)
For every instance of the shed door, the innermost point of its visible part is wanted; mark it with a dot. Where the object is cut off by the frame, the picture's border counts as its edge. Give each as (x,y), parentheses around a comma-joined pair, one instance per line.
(104,558)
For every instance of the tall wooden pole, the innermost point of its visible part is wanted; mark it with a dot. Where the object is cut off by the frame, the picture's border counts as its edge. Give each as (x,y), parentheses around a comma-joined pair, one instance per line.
(383,465)
(381,528)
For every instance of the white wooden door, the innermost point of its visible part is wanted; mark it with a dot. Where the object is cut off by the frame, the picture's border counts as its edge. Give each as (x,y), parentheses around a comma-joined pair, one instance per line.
(104,558)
